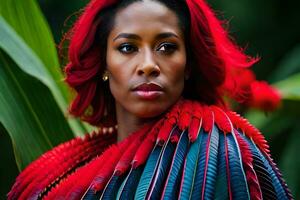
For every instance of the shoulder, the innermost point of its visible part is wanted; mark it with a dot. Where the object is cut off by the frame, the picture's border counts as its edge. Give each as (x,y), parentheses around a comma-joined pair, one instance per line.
(226,156)
(58,163)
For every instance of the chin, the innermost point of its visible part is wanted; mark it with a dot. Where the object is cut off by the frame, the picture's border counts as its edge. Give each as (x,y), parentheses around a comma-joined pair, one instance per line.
(152,110)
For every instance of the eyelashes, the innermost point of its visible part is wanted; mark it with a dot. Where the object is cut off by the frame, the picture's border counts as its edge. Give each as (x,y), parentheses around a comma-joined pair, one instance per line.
(127,48)
(164,48)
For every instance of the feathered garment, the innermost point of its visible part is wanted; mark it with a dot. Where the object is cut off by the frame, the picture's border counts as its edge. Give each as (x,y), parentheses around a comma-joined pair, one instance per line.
(193,152)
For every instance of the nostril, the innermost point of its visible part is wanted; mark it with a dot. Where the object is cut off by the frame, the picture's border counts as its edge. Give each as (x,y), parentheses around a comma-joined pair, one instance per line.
(140,72)
(155,73)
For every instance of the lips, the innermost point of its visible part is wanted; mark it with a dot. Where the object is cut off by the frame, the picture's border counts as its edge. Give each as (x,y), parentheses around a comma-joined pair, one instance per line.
(148,91)
(147,87)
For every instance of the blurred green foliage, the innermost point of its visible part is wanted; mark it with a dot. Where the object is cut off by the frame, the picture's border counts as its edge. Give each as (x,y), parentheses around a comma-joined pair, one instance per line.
(268,29)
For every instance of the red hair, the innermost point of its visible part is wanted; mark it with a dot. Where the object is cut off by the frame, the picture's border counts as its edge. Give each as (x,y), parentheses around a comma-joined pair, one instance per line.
(213,57)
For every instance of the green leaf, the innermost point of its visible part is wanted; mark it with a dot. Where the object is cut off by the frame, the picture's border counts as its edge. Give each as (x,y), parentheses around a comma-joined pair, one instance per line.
(13,45)
(29,113)
(289,65)
(290,87)
(27,20)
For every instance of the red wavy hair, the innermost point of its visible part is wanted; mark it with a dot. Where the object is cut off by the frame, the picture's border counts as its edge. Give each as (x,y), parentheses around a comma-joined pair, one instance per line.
(212,57)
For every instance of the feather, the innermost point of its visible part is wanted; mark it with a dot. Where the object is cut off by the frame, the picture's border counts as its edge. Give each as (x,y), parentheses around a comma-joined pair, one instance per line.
(238,180)
(207,119)
(129,185)
(163,167)
(126,159)
(221,119)
(253,184)
(199,176)
(278,174)
(204,156)
(211,163)
(148,173)
(190,167)
(185,115)
(172,183)
(111,188)
(250,131)
(60,162)
(109,161)
(194,128)
(270,185)
(171,119)
(150,169)
(146,147)
(222,190)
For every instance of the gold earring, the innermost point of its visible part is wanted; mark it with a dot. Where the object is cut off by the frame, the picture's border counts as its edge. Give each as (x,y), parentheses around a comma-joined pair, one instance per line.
(105,76)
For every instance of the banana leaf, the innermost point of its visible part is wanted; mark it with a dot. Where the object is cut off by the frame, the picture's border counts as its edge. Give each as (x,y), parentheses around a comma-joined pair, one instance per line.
(26,19)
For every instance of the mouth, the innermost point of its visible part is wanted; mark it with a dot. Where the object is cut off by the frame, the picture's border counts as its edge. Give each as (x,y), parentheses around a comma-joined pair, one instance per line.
(148,91)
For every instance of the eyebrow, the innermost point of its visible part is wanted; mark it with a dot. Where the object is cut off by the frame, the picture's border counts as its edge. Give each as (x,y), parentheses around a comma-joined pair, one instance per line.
(136,37)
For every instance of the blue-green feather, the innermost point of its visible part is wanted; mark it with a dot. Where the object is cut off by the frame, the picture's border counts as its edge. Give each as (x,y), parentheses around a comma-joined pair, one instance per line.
(198,183)
(129,185)
(238,181)
(148,173)
(162,170)
(221,191)
(212,165)
(150,169)
(91,194)
(280,192)
(190,167)
(112,187)
(171,189)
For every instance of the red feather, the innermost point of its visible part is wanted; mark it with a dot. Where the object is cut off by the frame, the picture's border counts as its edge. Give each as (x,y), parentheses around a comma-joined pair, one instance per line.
(253,183)
(185,115)
(111,160)
(249,130)
(207,119)
(207,151)
(222,119)
(126,159)
(58,162)
(171,119)
(194,128)
(145,148)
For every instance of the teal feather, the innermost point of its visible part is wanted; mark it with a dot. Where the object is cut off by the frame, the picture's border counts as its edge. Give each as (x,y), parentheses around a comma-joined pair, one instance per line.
(148,173)
(211,167)
(238,181)
(279,189)
(91,195)
(111,189)
(171,189)
(150,170)
(129,185)
(163,168)
(190,167)
(198,183)
(221,190)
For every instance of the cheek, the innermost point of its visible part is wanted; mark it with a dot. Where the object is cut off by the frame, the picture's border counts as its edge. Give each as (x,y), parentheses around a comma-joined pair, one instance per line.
(175,71)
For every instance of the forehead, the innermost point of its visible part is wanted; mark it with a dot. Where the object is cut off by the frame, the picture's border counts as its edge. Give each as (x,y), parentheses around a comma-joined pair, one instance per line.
(147,16)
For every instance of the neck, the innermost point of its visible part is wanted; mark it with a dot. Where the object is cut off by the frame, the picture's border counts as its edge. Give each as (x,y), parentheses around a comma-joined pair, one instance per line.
(128,123)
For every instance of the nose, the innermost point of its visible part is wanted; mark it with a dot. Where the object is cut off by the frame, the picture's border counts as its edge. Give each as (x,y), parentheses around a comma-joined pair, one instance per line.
(148,65)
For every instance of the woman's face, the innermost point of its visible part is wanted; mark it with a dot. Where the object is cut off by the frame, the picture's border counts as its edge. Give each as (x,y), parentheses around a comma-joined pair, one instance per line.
(146,59)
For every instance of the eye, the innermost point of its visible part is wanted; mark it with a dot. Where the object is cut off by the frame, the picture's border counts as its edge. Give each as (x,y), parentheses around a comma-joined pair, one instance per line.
(127,48)
(167,48)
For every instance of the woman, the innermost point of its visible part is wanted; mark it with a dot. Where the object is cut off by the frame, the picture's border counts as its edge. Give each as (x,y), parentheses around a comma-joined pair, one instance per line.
(156,70)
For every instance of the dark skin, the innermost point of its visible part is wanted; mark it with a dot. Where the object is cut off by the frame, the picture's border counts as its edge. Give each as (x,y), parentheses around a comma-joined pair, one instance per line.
(145,46)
